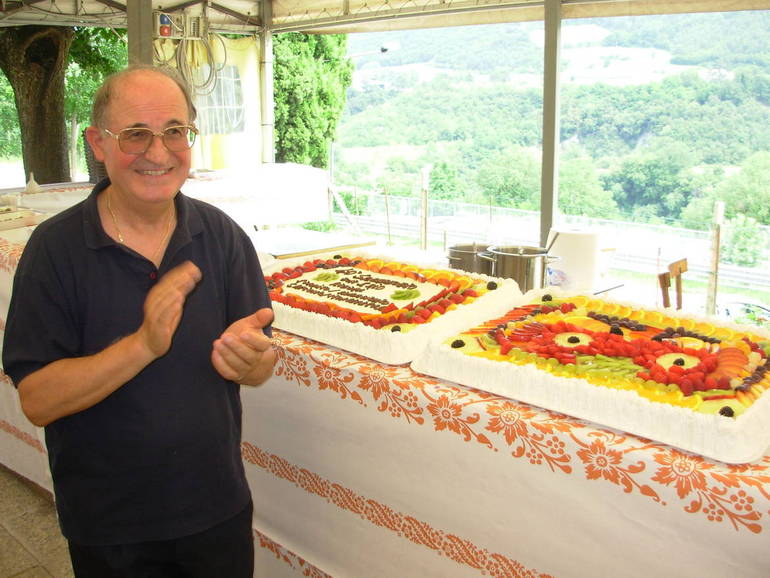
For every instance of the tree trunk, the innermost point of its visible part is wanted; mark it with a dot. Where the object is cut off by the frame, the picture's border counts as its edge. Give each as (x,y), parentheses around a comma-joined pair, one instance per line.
(73,148)
(34,59)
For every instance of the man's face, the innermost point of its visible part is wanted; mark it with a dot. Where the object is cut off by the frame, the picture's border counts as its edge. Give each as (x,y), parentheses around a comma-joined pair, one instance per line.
(149,100)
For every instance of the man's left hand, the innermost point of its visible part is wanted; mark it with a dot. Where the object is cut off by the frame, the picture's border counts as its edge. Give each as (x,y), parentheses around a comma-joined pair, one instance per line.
(243,353)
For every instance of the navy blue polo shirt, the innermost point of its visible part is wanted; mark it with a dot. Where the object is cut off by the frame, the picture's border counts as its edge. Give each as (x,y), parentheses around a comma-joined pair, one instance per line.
(160,457)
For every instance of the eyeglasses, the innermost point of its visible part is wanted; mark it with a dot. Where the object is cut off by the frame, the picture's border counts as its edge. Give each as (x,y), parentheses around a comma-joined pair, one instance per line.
(136,140)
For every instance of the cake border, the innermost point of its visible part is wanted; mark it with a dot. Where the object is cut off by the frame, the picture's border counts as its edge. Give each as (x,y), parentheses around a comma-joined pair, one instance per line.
(738,440)
(382,345)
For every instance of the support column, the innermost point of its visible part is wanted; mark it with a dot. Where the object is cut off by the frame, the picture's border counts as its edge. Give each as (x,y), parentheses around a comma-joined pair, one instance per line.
(267,101)
(549,179)
(140,31)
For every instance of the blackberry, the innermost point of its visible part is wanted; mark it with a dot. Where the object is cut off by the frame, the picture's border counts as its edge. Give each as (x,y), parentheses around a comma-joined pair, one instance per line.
(727,411)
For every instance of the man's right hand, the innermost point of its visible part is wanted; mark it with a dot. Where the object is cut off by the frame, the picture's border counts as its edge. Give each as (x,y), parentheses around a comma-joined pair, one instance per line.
(164,305)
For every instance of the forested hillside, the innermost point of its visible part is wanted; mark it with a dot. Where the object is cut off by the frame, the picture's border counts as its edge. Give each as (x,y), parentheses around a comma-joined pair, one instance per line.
(659,115)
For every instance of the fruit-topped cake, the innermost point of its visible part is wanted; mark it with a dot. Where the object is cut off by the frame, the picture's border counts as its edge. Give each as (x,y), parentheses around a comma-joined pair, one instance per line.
(333,299)
(621,366)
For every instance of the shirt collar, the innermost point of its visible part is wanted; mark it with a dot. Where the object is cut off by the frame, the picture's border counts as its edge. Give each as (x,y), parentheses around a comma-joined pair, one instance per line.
(188,219)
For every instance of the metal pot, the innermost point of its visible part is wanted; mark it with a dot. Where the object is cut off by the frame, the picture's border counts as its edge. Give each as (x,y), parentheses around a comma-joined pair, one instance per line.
(466,257)
(525,265)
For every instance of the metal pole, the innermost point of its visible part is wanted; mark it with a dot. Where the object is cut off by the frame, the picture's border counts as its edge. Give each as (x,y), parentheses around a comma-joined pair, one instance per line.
(267,99)
(549,177)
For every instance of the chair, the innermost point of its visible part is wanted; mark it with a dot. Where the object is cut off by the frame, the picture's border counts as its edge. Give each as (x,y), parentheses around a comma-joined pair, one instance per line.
(675,271)
(96,169)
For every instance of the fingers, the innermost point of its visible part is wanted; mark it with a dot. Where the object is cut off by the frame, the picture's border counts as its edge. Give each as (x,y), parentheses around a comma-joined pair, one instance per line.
(237,355)
(164,305)
(264,317)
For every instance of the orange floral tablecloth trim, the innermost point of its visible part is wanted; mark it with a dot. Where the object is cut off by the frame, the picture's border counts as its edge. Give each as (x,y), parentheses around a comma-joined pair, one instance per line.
(734,496)
(22,436)
(10,253)
(282,553)
(12,430)
(444,544)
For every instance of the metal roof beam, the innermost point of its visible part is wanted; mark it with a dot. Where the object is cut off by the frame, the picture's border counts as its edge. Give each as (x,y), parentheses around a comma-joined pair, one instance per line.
(399,13)
(113,4)
(247,19)
(20,6)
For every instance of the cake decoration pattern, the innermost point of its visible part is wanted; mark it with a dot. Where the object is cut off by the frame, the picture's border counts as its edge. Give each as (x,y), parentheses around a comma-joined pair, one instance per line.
(632,367)
(384,305)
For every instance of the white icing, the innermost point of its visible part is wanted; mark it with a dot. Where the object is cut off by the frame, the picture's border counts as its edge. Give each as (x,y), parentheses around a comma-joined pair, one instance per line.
(740,440)
(383,345)
(350,283)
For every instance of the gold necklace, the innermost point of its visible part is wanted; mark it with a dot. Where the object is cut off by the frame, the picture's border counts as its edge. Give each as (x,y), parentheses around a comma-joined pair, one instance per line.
(121,239)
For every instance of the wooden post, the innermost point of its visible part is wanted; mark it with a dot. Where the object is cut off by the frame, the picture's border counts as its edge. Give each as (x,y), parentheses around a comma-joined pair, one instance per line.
(716,242)
(675,270)
(424,187)
(664,279)
(140,31)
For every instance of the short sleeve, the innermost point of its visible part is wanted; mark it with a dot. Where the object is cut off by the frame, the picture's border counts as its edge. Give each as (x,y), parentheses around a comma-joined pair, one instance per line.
(40,327)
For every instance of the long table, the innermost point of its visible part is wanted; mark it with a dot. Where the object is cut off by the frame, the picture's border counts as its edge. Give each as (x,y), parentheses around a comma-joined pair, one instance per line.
(360,469)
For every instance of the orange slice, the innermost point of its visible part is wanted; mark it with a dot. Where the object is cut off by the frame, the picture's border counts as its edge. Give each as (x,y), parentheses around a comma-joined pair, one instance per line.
(705,329)
(624,311)
(594,305)
(578,300)
(723,333)
(587,323)
(688,324)
(691,342)
(464,282)
(610,308)
(374,264)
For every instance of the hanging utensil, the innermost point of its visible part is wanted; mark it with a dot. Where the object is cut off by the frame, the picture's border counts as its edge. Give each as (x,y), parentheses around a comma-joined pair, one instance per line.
(555,236)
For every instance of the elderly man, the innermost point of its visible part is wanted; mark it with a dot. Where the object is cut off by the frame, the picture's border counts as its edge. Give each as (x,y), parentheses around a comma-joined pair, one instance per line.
(135,316)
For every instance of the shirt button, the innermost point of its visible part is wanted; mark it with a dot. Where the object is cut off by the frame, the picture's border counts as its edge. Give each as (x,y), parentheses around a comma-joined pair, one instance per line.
(153,275)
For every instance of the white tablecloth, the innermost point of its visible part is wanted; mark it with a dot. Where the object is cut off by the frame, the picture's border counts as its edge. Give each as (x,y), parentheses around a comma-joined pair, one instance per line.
(364,470)
(361,469)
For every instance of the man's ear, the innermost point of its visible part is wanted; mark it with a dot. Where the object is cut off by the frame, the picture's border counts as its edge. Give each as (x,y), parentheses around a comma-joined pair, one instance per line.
(95,140)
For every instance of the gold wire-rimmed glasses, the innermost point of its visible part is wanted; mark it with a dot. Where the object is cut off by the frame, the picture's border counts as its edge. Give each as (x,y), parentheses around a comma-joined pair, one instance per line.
(135,140)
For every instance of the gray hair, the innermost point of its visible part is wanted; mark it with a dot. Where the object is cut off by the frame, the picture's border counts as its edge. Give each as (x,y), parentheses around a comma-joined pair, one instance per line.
(105,92)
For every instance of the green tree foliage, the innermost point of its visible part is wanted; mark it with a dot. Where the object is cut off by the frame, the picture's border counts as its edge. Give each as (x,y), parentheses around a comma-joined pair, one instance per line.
(444,183)
(658,180)
(311,75)
(743,242)
(511,178)
(95,54)
(747,192)
(581,191)
(490,117)
(10,135)
(699,38)
(401,176)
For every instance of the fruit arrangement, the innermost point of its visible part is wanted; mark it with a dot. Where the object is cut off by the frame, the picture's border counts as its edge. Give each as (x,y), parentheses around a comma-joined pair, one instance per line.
(698,365)
(384,295)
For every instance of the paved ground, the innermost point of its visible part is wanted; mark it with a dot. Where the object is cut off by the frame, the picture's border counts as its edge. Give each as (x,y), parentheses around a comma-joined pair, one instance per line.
(31,545)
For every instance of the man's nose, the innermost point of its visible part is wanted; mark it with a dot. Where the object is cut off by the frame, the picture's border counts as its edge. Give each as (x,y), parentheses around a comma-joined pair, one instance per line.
(157,150)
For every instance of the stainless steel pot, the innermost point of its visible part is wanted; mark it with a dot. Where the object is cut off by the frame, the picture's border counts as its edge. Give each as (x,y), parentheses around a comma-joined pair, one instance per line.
(466,257)
(525,265)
